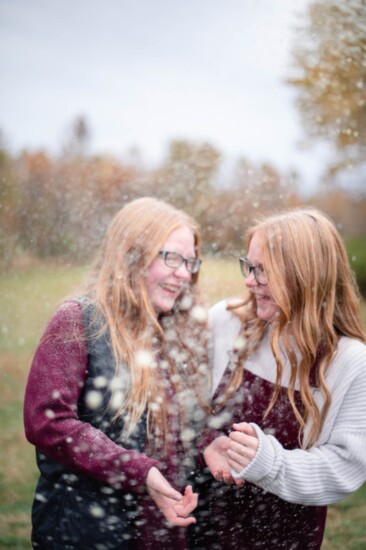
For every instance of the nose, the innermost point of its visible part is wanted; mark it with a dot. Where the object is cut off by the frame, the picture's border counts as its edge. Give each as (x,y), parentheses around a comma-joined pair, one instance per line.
(182,272)
(250,280)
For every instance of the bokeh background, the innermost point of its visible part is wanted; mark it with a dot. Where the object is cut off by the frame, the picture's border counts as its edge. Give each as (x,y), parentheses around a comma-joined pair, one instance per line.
(228,110)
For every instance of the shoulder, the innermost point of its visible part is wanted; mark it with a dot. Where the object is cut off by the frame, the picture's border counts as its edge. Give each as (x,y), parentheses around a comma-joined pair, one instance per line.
(351,345)
(63,335)
(68,316)
(351,352)
(220,311)
(349,361)
(69,309)
(219,316)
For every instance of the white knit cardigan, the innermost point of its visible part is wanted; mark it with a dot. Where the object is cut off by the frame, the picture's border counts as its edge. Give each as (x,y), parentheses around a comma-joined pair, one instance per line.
(336,465)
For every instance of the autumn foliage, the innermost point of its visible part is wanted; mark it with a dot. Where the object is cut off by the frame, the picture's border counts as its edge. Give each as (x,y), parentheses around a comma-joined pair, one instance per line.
(58,207)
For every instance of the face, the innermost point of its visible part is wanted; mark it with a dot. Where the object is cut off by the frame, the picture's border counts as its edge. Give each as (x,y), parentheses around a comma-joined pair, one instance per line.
(165,284)
(266,306)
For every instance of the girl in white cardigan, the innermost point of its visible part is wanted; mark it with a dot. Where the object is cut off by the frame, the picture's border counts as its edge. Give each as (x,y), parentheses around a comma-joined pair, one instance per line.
(287,432)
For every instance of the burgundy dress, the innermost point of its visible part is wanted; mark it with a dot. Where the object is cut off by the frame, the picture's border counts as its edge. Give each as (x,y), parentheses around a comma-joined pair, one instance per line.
(249,517)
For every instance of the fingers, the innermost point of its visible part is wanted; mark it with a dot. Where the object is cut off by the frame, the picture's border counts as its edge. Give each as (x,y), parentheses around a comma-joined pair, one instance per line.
(179,518)
(179,514)
(188,491)
(246,447)
(233,452)
(243,446)
(188,503)
(157,482)
(245,428)
(175,507)
(239,482)
(223,475)
(182,522)
(243,443)
(238,464)
(228,479)
(217,474)
(173,515)
(171,493)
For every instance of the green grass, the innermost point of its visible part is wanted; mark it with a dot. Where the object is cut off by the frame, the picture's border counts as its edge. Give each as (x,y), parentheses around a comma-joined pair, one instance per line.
(27,299)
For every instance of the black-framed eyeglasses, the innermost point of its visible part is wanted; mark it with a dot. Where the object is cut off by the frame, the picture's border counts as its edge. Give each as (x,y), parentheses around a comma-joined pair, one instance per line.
(259,272)
(175,260)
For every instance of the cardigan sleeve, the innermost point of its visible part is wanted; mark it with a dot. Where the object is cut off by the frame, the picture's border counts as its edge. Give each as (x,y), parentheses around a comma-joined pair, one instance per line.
(336,466)
(55,382)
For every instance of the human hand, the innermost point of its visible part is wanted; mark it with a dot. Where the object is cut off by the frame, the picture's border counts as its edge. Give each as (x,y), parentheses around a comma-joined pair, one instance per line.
(217,460)
(175,507)
(243,446)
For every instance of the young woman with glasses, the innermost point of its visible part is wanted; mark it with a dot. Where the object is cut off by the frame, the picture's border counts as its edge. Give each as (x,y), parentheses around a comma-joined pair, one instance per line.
(287,433)
(116,391)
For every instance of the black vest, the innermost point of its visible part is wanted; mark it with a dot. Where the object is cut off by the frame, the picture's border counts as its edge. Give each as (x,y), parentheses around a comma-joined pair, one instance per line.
(74,511)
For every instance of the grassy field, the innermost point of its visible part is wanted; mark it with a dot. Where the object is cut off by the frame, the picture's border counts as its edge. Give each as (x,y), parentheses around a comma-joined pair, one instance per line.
(27,299)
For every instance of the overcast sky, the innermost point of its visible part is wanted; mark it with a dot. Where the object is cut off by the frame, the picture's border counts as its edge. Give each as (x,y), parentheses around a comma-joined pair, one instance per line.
(145,72)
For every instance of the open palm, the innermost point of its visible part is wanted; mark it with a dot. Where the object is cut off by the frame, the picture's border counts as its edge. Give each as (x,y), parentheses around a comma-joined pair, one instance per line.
(175,507)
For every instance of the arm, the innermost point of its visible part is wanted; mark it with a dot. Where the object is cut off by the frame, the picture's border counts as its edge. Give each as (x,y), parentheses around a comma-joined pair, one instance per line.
(54,385)
(324,474)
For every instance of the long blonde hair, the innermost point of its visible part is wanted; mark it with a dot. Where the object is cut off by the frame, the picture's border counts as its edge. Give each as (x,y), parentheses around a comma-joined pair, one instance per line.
(311,281)
(117,287)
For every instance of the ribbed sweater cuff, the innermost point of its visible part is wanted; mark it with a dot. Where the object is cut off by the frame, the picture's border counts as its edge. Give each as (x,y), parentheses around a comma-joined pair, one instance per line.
(264,460)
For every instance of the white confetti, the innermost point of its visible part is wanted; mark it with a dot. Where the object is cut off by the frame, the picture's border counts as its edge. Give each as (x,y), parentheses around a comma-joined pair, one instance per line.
(199,313)
(94,399)
(144,359)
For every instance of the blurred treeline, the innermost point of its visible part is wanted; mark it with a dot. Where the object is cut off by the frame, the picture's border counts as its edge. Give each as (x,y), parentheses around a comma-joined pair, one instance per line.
(57,207)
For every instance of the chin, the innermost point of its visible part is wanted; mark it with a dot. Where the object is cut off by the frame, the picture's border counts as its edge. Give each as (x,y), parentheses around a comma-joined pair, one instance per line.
(164,307)
(268,316)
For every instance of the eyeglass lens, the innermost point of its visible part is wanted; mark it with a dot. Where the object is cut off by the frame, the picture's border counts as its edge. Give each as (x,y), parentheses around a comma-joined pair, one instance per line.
(259,274)
(175,260)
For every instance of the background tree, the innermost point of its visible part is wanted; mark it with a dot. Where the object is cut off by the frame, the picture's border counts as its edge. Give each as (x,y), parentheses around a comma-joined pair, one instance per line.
(54,207)
(330,77)
(78,137)
(251,190)
(8,201)
(42,206)
(187,176)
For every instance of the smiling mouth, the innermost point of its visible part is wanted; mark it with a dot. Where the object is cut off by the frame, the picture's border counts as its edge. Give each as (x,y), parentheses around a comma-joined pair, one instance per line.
(261,296)
(264,298)
(171,289)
